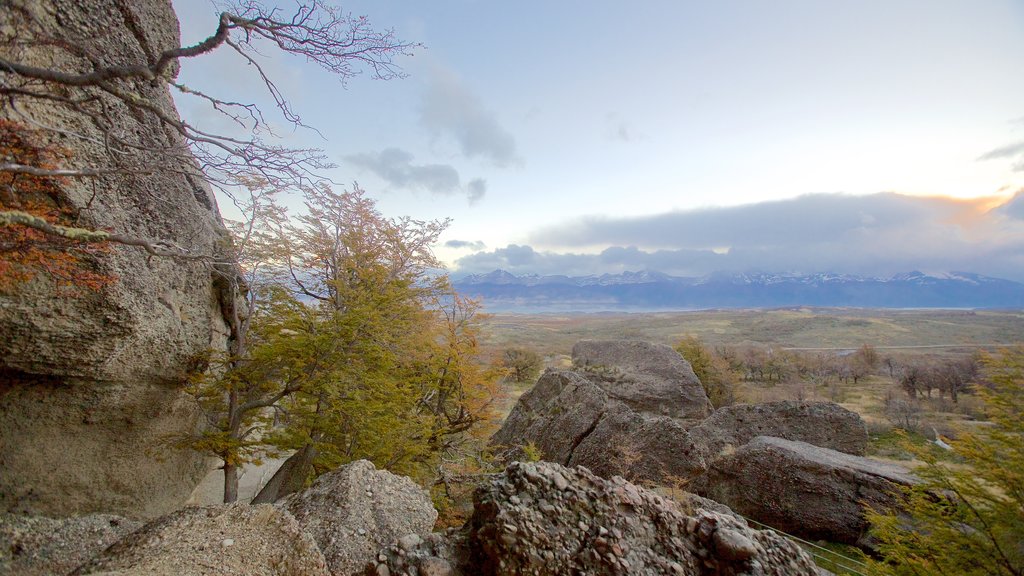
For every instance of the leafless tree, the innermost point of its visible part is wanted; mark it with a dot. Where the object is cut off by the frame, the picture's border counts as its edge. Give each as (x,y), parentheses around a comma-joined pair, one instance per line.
(97,87)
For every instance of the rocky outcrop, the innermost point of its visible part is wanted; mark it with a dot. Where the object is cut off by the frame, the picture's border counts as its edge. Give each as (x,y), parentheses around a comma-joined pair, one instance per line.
(639,447)
(90,383)
(813,492)
(545,519)
(227,540)
(356,510)
(623,410)
(649,378)
(573,421)
(39,546)
(555,415)
(823,424)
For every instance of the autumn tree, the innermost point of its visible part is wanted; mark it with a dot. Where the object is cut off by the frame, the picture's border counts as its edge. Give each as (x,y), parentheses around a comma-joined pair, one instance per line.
(523,365)
(357,349)
(966,519)
(715,375)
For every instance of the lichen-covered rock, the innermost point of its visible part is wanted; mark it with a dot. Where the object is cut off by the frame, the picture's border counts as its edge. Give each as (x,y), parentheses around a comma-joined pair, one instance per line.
(91,382)
(224,540)
(823,424)
(813,492)
(356,510)
(650,378)
(545,519)
(39,546)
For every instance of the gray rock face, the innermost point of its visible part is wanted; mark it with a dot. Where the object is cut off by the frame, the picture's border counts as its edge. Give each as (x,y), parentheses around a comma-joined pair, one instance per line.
(227,540)
(356,510)
(90,382)
(820,423)
(813,492)
(545,519)
(556,415)
(639,447)
(573,421)
(647,377)
(39,546)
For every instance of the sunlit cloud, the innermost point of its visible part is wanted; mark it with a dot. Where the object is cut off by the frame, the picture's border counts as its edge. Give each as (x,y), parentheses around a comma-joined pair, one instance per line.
(876,235)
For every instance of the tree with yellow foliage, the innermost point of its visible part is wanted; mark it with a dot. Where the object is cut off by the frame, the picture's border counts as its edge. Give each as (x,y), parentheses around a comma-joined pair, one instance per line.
(356,348)
(713,371)
(967,518)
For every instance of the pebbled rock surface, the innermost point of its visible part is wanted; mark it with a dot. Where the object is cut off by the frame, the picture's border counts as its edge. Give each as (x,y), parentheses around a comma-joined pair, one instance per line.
(224,540)
(88,383)
(354,511)
(649,378)
(545,519)
(812,492)
(823,424)
(39,546)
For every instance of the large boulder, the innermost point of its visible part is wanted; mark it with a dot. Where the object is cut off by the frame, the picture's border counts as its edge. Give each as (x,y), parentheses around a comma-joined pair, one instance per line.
(354,511)
(573,421)
(545,519)
(40,546)
(555,415)
(813,492)
(226,540)
(90,380)
(823,424)
(651,378)
(640,447)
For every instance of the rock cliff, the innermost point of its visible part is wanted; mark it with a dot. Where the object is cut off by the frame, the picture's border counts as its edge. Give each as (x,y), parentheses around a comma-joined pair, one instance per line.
(90,382)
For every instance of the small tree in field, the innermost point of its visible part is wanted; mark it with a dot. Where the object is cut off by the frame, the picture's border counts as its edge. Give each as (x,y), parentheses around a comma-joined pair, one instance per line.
(712,370)
(966,519)
(523,365)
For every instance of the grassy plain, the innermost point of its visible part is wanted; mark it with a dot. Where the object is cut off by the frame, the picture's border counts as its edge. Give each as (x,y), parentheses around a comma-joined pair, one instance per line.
(922,337)
(553,335)
(908,336)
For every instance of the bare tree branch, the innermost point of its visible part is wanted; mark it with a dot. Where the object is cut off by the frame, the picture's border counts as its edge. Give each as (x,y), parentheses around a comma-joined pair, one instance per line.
(84,235)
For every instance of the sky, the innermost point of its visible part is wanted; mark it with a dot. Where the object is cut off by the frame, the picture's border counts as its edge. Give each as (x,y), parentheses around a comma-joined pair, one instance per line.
(572,137)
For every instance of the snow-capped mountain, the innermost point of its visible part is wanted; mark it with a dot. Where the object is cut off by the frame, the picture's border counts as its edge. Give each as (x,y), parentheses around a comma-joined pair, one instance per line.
(646,290)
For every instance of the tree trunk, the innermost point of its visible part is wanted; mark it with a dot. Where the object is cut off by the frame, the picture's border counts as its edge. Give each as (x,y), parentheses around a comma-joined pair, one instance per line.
(230,483)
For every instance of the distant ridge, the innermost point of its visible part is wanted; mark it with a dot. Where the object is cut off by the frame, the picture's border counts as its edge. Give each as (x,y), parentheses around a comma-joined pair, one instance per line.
(645,290)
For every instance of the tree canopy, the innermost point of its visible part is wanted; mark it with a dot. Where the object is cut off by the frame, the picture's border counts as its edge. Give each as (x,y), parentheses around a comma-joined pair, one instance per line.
(966,518)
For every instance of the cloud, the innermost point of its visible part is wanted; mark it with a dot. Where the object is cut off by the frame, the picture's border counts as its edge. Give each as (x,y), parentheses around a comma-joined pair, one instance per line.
(395,166)
(617,129)
(465,244)
(451,109)
(1015,150)
(1014,208)
(476,189)
(876,235)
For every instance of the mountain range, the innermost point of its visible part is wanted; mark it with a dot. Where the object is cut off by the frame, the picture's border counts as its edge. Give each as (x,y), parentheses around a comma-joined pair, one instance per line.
(647,291)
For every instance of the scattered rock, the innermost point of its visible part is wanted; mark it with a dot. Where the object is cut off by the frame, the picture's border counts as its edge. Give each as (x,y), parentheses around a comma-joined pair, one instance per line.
(266,541)
(649,378)
(812,492)
(523,524)
(356,510)
(823,424)
(38,546)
